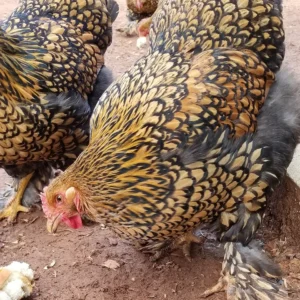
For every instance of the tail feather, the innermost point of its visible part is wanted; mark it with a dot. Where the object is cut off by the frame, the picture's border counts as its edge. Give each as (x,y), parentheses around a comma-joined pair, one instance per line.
(113,9)
(103,81)
(279,4)
(251,274)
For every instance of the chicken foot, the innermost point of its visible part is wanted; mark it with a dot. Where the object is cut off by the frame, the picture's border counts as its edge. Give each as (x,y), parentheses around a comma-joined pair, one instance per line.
(248,273)
(184,241)
(14,206)
(222,285)
(130,29)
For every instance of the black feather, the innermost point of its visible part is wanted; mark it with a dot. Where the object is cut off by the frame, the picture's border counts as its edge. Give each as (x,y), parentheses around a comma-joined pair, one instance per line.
(113,9)
(279,122)
(103,81)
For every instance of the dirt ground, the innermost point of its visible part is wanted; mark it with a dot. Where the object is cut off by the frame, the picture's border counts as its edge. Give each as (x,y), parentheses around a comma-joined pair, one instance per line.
(79,255)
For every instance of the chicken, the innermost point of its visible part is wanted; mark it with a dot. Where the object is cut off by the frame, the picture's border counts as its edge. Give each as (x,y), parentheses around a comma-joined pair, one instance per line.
(186,137)
(50,54)
(16,281)
(139,13)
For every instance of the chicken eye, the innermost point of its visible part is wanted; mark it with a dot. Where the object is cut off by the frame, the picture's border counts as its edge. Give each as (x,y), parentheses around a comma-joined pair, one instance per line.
(58,198)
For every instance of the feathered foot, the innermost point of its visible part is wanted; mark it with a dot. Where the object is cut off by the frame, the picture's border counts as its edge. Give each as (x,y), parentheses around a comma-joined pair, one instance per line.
(247,273)
(11,210)
(184,241)
(130,29)
(222,285)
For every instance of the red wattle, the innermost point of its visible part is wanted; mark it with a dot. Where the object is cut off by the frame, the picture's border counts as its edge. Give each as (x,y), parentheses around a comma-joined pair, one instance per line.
(74,222)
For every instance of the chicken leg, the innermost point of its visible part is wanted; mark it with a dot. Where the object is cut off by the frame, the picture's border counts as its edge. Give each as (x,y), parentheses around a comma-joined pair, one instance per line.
(184,241)
(222,285)
(14,206)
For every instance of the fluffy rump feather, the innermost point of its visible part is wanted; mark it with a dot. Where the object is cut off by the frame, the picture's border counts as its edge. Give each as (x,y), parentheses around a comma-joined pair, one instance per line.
(279,122)
(113,9)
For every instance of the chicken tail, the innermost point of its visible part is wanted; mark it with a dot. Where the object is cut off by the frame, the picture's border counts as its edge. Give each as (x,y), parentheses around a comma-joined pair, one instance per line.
(251,274)
(113,9)
(279,4)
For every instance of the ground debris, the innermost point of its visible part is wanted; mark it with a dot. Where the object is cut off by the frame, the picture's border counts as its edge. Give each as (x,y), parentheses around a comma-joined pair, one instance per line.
(111,264)
(51,265)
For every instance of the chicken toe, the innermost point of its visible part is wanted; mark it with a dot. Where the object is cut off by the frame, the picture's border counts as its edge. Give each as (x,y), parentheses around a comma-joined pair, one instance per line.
(222,285)
(11,210)
(130,29)
(163,252)
(186,242)
(14,206)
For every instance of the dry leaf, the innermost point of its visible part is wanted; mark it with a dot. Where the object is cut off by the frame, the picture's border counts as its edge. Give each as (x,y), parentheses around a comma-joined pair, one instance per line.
(111,264)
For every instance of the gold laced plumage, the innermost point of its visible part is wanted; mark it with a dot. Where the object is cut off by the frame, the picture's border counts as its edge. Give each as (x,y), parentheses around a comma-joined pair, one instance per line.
(172,141)
(50,54)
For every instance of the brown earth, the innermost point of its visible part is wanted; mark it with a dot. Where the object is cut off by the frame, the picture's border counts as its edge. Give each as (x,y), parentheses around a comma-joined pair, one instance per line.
(78,272)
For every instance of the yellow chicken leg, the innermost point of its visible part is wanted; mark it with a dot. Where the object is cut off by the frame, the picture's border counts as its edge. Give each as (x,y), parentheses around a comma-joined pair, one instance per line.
(14,206)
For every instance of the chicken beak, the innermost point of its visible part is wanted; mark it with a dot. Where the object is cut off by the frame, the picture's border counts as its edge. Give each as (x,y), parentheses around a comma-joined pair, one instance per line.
(52,223)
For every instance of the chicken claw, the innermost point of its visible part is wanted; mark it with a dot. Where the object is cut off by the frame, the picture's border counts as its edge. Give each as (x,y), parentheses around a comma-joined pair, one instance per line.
(11,210)
(162,253)
(222,285)
(186,242)
(130,29)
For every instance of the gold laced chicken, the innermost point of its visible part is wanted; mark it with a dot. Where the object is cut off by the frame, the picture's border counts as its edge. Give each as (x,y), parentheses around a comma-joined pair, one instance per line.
(189,136)
(51,75)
